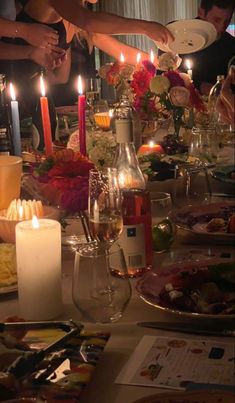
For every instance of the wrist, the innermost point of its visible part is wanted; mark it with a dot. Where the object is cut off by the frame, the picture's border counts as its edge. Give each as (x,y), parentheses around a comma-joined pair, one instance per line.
(20,30)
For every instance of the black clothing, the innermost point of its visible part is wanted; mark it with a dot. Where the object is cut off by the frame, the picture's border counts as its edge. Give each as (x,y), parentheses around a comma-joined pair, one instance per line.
(208,63)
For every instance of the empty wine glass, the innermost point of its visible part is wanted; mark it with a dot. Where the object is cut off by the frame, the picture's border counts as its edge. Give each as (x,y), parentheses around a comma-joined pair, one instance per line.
(162,221)
(99,295)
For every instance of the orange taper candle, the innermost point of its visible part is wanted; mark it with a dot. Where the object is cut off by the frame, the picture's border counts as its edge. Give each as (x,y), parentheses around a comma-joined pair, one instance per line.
(46,123)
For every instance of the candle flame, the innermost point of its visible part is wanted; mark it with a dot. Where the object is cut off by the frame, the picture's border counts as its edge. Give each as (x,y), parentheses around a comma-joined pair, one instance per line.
(42,86)
(80,85)
(122,58)
(188,64)
(35,222)
(12,92)
(152,56)
(138,57)
(151,144)
(20,211)
(110,113)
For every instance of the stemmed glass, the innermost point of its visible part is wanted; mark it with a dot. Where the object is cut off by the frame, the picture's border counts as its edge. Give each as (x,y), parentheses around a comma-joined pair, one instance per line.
(104,207)
(98,293)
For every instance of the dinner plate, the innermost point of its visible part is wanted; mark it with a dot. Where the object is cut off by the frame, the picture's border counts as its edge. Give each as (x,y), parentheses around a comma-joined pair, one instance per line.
(194,219)
(199,396)
(152,284)
(223,174)
(190,36)
(8,289)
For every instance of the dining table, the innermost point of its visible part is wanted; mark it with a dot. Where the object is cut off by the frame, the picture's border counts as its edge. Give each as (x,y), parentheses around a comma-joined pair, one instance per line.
(125,334)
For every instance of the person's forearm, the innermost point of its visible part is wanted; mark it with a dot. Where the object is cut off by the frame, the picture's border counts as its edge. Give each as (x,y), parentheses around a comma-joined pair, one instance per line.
(114,48)
(11,29)
(98,22)
(14,52)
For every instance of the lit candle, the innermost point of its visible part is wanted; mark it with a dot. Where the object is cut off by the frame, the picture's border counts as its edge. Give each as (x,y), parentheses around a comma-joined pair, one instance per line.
(46,123)
(150,148)
(38,255)
(189,68)
(15,122)
(122,58)
(81,117)
(138,58)
(152,56)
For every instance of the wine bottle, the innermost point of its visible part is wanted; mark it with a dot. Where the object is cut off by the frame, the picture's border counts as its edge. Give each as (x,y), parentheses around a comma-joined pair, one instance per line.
(6,146)
(136,237)
(213,95)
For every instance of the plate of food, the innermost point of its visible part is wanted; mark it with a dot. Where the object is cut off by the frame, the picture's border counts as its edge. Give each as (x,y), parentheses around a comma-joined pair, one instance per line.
(212,221)
(8,275)
(224,174)
(190,36)
(201,290)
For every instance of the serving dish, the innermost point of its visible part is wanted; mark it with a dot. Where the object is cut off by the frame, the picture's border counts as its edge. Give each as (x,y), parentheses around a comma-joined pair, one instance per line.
(194,220)
(190,36)
(224,173)
(185,289)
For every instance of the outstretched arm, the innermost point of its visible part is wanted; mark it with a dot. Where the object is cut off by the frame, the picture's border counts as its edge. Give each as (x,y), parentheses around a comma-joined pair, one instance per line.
(114,48)
(34,34)
(105,23)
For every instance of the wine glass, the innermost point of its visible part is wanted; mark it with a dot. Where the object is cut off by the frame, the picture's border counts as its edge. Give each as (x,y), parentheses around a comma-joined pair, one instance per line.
(99,295)
(162,221)
(104,207)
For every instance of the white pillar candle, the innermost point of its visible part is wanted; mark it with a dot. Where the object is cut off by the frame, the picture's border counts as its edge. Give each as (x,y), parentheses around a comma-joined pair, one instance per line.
(38,254)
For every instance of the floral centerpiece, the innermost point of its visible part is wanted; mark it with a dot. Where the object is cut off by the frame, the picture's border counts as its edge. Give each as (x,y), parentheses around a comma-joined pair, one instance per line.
(155,92)
(61,179)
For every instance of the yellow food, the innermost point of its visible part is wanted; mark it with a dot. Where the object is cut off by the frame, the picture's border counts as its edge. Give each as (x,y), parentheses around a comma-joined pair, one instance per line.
(24,209)
(8,273)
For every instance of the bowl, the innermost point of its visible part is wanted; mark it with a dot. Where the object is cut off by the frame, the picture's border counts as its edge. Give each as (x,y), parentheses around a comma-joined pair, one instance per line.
(7,227)
(102,119)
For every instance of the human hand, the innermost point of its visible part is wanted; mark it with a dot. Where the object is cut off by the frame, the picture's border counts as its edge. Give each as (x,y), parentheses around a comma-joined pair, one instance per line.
(157,32)
(49,58)
(40,35)
(225,103)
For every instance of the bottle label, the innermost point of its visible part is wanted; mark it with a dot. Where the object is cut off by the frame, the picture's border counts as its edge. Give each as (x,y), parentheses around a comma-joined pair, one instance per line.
(132,241)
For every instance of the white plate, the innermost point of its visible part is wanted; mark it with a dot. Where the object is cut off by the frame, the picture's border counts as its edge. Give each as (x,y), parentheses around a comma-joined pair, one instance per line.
(190,36)
(8,289)
(151,284)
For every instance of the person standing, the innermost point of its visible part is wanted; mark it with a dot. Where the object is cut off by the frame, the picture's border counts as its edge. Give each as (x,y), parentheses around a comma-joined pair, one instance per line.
(213,60)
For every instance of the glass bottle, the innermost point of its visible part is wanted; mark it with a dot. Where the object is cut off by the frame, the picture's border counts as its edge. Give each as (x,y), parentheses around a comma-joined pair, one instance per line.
(125,110)
(6,146)
(136,238)
(213,95)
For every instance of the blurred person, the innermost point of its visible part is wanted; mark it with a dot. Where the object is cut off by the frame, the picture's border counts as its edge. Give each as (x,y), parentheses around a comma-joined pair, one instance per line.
(71,18)
(225,104)
(212,61)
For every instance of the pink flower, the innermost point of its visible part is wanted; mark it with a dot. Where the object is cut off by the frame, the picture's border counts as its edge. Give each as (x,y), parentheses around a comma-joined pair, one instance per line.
(195,99)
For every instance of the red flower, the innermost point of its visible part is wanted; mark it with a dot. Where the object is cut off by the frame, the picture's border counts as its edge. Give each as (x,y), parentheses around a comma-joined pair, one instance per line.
(174,78)
(195,98)
(149,66)
(140,82)
(71,169)
(113,74)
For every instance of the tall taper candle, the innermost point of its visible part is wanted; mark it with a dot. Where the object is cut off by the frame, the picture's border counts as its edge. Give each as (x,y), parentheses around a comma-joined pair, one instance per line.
(15,122)
(38,255)
(46,123)
(81,117)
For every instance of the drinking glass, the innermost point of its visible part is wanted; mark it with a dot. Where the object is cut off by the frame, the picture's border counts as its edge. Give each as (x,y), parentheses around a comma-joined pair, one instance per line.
(104,207)
(162,221)
(10,179)
(204,144)
(98,293)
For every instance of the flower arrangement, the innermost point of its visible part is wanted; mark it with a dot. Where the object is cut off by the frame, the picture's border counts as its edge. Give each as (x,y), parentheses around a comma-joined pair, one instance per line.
(62,179)
(101,147)
(155,92)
